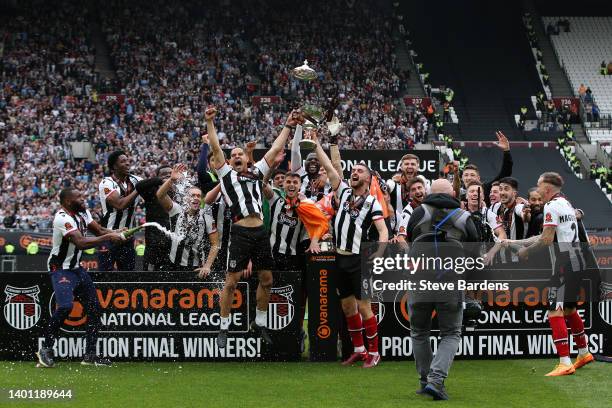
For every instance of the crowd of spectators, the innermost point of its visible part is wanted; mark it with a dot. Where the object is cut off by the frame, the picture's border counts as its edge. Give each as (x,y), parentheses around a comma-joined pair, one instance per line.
(172,60)
(46,80)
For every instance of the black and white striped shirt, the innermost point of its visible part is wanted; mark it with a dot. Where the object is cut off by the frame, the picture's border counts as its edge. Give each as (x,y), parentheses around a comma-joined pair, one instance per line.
(243,191)
(111,217)
(308,188)
(512,222)
(400,198)
(190,241)
(64,254)
(405,219)
(354,217)
(286,229)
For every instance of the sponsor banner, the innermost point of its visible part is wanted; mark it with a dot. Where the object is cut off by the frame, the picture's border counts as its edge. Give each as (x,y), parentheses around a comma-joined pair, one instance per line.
(419,101)
(489,345)
(385,162)
(324,313)
(512,324)
(21,239)
(151,316)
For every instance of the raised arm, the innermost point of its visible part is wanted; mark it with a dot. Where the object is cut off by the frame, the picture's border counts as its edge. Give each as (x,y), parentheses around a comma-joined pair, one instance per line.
(162,192)
(332,174)
(218,157)
(211,196)
(334,152)
(295,118)
(296,154)
(249,150)
(202,166)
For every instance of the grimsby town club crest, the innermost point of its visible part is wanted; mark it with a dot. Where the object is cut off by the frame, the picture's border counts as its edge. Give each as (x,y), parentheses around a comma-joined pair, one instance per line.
(605,303)
(22,307)
(281,308)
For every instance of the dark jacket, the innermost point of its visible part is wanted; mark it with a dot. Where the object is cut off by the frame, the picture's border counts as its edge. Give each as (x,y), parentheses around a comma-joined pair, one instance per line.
(505,171)
(442,202)
(206,180)
(155,239)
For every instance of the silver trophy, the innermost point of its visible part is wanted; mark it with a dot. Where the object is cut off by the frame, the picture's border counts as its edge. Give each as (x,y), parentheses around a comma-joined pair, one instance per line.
(316,117)
(304,72)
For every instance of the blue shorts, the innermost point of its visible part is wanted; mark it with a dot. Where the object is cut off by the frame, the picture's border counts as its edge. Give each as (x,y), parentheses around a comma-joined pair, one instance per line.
(70,282)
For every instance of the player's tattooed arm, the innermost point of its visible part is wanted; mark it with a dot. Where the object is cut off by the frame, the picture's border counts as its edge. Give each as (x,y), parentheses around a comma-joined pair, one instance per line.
(267,189)
(543,240)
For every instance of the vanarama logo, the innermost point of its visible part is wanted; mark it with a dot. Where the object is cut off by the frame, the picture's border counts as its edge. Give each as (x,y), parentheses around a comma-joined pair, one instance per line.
(323,329)
(160,307)
(26,239)
(143,298)
(77,316)
(400,308)
(527,295)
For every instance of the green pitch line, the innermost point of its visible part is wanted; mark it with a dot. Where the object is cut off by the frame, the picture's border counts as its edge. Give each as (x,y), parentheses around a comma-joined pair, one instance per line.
(511,383)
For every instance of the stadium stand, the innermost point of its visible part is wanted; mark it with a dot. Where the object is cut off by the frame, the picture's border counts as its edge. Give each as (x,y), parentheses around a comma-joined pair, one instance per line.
(488,65)
(533,162)
(167,69)
(581,52)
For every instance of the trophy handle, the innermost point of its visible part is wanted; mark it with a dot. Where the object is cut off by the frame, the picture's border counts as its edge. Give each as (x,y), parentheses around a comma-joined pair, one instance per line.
(310,118)
(331,107)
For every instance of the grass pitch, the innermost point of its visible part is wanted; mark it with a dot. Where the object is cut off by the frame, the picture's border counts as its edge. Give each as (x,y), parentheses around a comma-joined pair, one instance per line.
(509,383)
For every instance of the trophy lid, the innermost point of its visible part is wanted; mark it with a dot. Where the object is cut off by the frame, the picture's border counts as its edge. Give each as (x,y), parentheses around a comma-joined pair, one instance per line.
(304,72)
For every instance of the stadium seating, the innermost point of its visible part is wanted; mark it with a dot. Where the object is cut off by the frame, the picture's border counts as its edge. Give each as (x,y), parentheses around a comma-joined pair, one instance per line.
(489,64)
(530,163)
(581,52)
(598,135)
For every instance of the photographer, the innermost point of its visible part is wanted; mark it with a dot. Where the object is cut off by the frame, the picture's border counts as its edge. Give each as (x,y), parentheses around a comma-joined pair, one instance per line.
(438,219)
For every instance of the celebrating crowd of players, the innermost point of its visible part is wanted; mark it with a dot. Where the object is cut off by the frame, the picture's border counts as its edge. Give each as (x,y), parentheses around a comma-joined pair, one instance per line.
(244,216)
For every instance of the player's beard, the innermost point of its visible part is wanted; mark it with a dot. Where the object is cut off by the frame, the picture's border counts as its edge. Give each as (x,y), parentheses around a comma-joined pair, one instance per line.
(78,207)
(357,184)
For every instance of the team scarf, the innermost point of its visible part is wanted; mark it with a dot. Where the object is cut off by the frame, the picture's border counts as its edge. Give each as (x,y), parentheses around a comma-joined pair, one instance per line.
(326,205)
(377,191)
(315,222)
